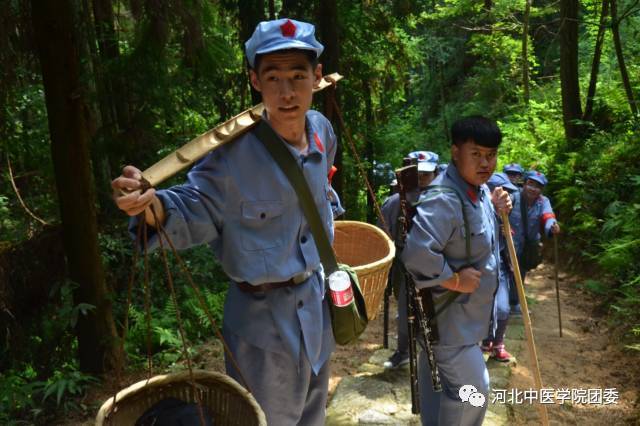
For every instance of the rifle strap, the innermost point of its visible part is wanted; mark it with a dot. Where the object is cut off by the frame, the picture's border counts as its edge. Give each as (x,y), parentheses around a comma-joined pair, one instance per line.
(282,156)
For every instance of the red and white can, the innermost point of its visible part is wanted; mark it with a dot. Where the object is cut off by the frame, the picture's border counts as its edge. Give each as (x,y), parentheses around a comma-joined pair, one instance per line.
(340,288)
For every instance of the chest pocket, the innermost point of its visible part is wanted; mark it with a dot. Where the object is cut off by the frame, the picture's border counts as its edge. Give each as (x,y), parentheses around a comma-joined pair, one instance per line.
(263,224)
(476,230)
(480,238)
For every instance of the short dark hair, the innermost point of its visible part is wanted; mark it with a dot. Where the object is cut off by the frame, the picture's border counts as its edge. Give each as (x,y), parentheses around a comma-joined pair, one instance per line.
(310,54)
(476,128)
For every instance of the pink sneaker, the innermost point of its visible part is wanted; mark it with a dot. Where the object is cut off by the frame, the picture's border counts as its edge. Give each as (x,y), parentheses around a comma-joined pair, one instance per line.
(486,346)
(500,354)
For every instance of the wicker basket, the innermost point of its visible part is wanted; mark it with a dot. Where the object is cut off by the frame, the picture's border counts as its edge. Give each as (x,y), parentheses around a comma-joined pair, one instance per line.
(228,403)
(369,251)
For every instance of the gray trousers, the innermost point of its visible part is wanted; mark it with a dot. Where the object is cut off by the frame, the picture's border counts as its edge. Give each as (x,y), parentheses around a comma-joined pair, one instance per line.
(458,366)
(289,393)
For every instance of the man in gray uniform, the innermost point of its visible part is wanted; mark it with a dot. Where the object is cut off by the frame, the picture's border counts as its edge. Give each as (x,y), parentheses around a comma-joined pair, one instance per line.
(494,344)
(514,172)
(237,200)
(540,218)
(435,255)
(427,163)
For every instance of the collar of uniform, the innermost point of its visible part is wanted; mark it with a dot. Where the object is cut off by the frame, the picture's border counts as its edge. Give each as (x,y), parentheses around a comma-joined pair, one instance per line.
(315,144)
(473,193)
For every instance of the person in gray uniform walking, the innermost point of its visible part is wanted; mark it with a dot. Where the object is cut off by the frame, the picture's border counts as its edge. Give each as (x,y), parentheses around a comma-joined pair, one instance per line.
(437,256)
(533,217)
(238,201)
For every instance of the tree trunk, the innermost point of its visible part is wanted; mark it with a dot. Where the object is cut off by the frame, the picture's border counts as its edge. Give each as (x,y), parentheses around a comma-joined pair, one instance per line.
(57,44)
(327,21)
(525,52)
(272,10)
(443,101)
(624,75)
(250,13)
(569,82)
(110,55)
(104,115)
(298,9)
(595,64)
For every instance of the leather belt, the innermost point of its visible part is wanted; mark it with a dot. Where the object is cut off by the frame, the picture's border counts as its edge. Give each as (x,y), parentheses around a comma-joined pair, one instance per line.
(295,280)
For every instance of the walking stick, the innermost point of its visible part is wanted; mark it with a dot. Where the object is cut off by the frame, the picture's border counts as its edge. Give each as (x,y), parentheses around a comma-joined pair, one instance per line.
(542,408)
(555,258)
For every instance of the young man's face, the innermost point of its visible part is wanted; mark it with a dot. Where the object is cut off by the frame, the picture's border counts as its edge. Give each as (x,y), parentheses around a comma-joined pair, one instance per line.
(425,178)
(514,177)
(475,163)
(532,189)
(286,81)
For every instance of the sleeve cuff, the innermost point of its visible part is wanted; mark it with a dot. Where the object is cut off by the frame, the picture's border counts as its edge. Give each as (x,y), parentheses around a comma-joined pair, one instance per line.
(445,275)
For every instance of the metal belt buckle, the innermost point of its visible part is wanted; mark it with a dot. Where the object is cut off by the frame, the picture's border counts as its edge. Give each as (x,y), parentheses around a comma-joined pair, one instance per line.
(300,278)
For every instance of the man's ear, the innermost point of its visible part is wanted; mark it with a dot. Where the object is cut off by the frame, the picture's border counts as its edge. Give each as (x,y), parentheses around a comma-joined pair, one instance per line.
(255,82)
(317,75)
(455,152)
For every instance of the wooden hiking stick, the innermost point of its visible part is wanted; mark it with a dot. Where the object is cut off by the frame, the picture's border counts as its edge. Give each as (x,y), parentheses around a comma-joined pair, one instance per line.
(555,258)
(542,408)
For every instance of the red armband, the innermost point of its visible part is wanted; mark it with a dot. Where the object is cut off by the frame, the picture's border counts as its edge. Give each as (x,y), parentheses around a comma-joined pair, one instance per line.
(547,216)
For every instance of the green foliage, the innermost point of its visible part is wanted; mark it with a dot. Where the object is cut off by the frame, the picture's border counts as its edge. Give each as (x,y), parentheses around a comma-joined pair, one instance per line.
(595,287)
(599,205)
(66,385)
(411,69)
(165,343)
(23,396)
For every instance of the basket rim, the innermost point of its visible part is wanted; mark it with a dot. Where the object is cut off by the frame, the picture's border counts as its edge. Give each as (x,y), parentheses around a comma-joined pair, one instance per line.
(182,376)
(392,248)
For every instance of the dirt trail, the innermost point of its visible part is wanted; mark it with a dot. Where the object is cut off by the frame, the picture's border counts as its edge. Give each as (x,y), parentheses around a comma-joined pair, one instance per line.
(584,358)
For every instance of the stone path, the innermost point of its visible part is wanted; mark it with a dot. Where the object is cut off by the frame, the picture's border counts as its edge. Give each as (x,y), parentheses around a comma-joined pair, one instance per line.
(375,396)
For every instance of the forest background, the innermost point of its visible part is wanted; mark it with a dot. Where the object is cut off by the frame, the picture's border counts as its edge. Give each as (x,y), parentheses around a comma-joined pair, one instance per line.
(87,86)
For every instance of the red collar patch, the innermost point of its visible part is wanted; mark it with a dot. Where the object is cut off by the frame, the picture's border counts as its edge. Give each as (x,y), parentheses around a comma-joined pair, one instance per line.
(288,29)
(318,142)
(473,195)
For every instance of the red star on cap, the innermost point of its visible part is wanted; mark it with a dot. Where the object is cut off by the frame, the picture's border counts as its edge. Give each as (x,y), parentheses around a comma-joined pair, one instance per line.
(288,29)
(538,173)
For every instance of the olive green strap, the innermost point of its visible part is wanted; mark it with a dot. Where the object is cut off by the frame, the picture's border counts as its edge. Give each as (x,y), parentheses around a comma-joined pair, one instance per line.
(282,156)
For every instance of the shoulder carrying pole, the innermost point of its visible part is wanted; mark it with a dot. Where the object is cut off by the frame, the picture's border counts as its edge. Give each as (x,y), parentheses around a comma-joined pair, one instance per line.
(225,132)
